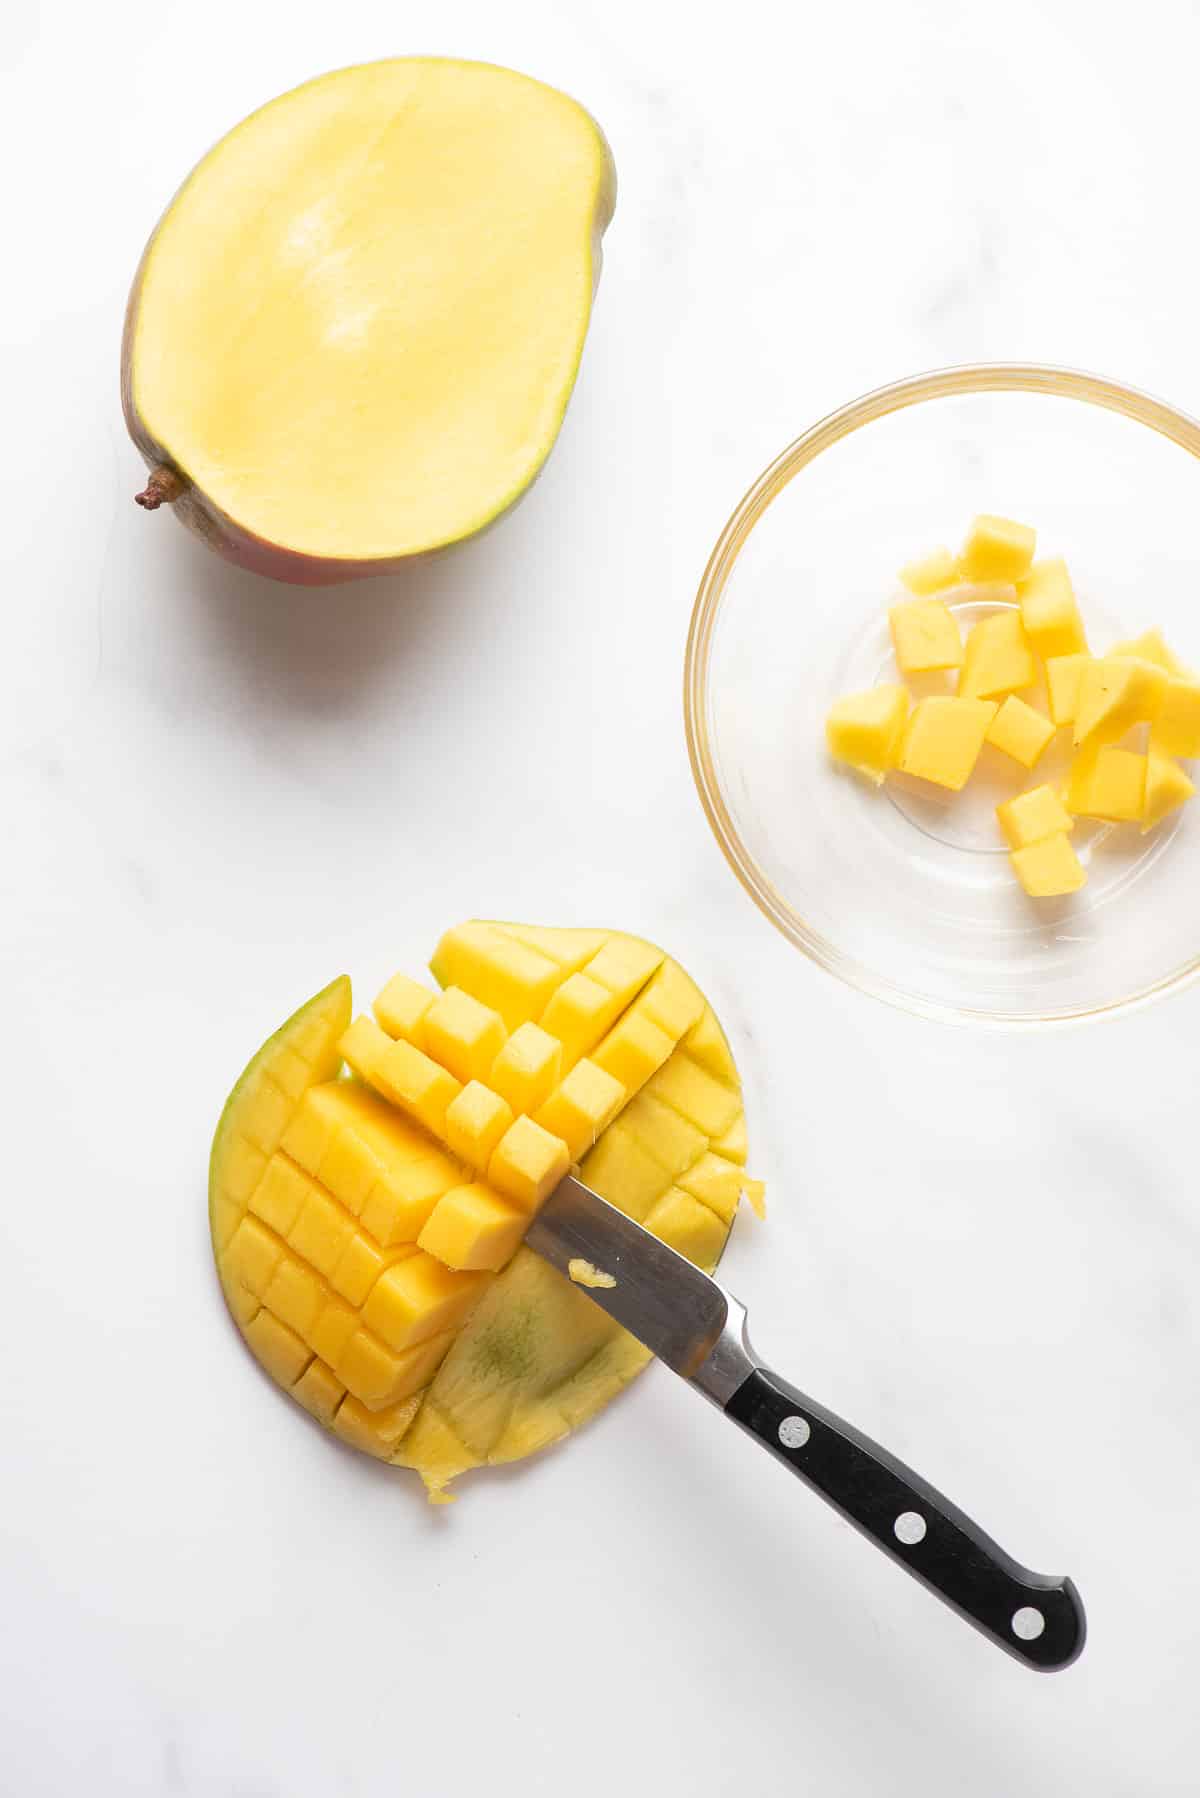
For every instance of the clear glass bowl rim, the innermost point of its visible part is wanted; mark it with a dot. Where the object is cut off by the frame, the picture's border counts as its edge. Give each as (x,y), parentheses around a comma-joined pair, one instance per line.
(941,383)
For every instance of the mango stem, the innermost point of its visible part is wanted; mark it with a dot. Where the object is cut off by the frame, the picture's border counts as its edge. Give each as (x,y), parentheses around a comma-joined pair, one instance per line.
(164,485)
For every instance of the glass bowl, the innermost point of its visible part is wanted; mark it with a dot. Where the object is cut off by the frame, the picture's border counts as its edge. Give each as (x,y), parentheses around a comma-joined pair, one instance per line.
(906,892)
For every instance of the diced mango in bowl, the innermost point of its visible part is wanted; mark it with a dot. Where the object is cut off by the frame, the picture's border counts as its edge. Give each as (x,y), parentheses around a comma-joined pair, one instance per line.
(925,636)
(1033,816)
(998,658)
(998,549)
(1049,610)
(1064,676)
(1167,788)
(1176,728)
(1115,693)
(943,739)
(864,730)
(1107,783)
(929,574)
(1020,731)
(1049,869)
(1024,673)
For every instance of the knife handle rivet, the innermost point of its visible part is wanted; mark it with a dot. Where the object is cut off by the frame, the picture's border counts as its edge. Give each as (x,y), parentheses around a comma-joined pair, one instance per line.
(909,1528)
(794,1432)
(1028,1623)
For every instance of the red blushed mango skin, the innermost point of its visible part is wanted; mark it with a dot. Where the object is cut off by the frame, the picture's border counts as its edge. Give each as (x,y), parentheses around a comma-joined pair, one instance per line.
(245,548)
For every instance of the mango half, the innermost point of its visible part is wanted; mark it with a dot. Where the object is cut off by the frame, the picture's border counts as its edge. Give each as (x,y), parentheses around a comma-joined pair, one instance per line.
(354,333)
(367,1225)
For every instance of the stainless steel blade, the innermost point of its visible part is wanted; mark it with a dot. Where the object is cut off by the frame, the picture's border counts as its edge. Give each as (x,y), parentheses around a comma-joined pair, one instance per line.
(685,1318)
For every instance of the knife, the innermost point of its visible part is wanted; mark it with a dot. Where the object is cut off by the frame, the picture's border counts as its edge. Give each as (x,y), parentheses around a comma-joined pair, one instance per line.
(699,1330)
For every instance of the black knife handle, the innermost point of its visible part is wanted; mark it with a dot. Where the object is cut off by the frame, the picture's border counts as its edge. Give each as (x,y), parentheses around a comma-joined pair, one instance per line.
(1039,1620)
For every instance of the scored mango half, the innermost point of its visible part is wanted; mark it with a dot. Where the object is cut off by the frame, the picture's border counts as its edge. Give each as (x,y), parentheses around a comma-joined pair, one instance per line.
(372,1178)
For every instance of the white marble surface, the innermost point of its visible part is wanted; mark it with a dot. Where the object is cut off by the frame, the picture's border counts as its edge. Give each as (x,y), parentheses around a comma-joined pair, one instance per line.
(216,793)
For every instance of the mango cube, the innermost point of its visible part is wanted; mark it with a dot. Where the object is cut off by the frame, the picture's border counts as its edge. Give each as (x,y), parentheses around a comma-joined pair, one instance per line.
(624,964)
(1064,675)
(1049,610)
(1115,693)
(501,972)
(1151,646)
(706,1043)
(294,1295)
(925,636)
(691,1091)
(1167,788)
(376,1433)
(998,658)
(929,574)
(279,1196)
(251,1256)
(716,1182)
(998,549)
(475,1122)
(672,1001)
(1032,816)
(360,1266)
(1049,869)
(322,1232)
(579,1014)
(319,1391)
(664,1133)
(403,1197)
(417,1298)
(865,730)
(633,1049)
(401,1007)
(1020,731)
(1107,783)
(1176,727)
(944,738)
(378,1378)
(472,1227)
(527,1163)
(734,1144)
(281,1350)
(581,1106)
(526,1070)
(463,1035)
(688,1227)
(620,1168)
(417,1083)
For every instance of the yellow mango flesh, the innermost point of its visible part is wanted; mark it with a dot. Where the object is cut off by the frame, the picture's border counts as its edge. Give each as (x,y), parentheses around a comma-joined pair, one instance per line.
(1115,693)
(925,636)
(1064,676)
(1049,869)
(1020,731)
(1032,816)
(1107,783)
(1049,610)
(865,730)
(357,327)
(998,658)
(379,1277)
(998,549)
(944,738)
(1151,646)
(1176,727)
(1167,788)
(931,573)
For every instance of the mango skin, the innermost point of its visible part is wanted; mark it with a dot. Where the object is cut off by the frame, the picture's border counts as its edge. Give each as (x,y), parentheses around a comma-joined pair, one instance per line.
(242,546)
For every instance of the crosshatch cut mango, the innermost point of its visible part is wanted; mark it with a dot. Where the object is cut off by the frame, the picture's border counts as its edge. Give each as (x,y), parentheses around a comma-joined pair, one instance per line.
(367,1224)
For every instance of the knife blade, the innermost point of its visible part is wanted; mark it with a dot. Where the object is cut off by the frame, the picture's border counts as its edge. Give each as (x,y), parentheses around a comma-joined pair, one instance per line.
(698,1329)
